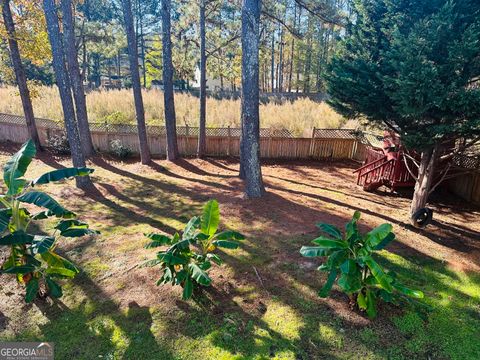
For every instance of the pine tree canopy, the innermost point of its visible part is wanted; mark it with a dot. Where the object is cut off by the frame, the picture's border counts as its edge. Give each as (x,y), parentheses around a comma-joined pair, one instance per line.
(412,65)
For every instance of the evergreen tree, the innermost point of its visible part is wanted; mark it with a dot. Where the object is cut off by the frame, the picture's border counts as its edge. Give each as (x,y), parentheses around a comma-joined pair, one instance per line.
(414,68)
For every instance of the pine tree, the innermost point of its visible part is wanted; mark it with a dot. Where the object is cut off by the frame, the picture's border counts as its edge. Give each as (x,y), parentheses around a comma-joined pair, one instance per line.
(414,68)
(65,89)
(137,90)
(250,169)
(168,95)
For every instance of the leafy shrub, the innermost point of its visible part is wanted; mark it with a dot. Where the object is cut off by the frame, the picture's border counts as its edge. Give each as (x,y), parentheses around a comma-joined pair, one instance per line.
(32,256)
(116,117)
(188,258)
(119,150)
(350,263)
(58,143)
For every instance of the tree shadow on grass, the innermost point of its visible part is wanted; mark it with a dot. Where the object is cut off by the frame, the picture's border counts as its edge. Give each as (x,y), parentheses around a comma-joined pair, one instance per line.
(99,328)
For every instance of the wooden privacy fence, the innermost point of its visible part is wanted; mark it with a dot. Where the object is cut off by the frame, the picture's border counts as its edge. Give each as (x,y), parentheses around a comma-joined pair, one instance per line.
(324,144)
(274,143)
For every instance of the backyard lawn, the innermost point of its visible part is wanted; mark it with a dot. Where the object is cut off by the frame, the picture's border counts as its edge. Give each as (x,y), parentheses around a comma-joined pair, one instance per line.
(263,301)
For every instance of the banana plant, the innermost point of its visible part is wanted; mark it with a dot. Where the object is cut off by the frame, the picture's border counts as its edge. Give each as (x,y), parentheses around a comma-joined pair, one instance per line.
(188,257)
(33,258)
(350,263)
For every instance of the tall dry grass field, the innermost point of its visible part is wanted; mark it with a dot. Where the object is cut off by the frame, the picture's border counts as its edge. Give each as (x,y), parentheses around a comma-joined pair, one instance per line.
(116,106)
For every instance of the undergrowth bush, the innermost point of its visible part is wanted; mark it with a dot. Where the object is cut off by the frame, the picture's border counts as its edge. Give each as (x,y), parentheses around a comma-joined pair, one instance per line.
(119,150)
(349,261)
(32,257)
(187,259)
(58,144)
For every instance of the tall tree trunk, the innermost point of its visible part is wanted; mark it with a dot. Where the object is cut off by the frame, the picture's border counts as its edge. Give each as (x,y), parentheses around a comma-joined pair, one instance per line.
(272,65)
(280,63)
(76,78)
(64,88)
(251,170)
(423,186)
(169,102)
(202,134)
(308,58)
(292,50)
(299,50)
(20,74)
(142,47)
(119,70)
(137,89)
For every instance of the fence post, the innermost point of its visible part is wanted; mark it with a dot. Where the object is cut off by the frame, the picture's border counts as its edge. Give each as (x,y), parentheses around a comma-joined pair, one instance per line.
(312,142)
(269,150)
(229,134)
(107,136)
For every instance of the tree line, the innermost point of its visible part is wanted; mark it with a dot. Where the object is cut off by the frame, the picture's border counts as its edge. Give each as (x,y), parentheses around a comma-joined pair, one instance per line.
(204,31)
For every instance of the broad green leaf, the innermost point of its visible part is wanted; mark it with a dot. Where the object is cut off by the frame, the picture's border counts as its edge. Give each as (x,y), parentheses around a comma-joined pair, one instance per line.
(210,218)
(5,215)
(60,271)
(171,259)
(349,266)
(54,289)
(187,289)
(331,230)
(74,228)
(56,261)
(60,174)
(330,244)
(199,275)
(205,265)
(351,228)
(45,214)
(387,240)
(66,224)
(181,246)
(386,296)
(230,235)
(78,232)
(409,292)
(8,263)
(350,283)
(361,301)
(151,263)
(17,238)
(325,290)
(157,240)
(43,200)
(371,311)
(382,278)
(312,251)
(226,244)
(21,269)
(336,258)
(377,235)
(215,258)
(32,290)
(191,227)
(16,167)
(42,244)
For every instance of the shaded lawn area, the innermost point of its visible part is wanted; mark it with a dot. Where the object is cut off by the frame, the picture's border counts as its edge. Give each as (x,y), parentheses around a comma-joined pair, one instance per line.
(113,309)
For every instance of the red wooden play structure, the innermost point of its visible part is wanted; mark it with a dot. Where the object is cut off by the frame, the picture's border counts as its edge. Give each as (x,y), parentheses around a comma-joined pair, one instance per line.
(387,166)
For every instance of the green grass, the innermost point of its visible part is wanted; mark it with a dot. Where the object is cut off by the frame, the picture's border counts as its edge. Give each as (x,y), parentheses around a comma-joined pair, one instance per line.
(238,318)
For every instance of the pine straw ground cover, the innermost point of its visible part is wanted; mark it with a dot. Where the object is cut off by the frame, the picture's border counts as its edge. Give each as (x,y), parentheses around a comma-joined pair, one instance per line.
(263,301)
